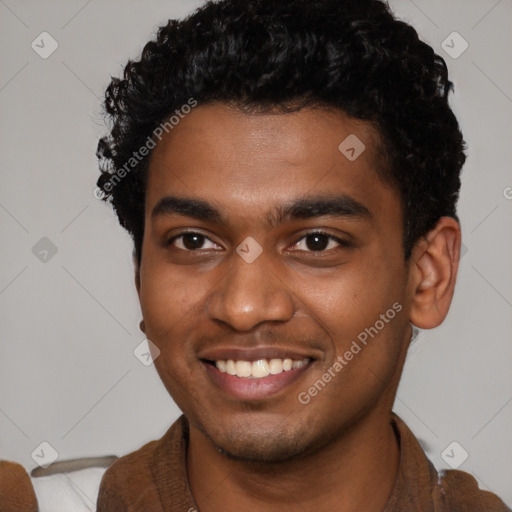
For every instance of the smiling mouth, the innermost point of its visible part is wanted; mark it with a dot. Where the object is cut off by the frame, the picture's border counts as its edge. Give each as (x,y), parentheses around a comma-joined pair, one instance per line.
(256,379)
(258,369)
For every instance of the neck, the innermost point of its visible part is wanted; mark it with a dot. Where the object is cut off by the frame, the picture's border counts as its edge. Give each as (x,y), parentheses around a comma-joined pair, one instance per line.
(338,477)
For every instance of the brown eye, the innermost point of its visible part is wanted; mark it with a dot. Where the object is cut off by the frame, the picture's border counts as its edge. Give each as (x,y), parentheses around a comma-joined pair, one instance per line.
(319,242)
(191,241)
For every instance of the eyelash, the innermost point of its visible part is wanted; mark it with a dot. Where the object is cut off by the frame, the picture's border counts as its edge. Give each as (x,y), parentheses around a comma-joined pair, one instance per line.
(342,243)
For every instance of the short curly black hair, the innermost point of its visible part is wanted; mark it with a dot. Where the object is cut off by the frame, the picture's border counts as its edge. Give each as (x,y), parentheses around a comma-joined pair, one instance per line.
(352,55)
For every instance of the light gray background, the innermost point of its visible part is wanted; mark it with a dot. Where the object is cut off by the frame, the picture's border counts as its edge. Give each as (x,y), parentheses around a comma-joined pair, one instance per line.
(69,326)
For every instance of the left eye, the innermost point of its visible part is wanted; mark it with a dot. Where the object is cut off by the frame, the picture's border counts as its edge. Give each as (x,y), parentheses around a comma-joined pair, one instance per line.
(319,242)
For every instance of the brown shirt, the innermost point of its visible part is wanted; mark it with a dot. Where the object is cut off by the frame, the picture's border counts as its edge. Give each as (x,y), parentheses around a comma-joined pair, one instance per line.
(16,491)
(154,479)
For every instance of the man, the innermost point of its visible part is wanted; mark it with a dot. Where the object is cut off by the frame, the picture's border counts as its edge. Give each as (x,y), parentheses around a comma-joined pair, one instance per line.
(289,173)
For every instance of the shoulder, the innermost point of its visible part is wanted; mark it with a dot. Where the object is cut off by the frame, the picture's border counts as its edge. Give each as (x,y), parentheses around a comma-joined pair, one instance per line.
(419,483)
(131,482)
(127,479)
(16,491)
(457,490)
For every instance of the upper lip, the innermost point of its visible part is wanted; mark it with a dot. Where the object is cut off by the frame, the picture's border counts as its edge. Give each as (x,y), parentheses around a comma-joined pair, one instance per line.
(254,354)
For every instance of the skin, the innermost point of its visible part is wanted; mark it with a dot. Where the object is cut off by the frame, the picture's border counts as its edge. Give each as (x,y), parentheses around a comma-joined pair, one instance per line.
(255,455)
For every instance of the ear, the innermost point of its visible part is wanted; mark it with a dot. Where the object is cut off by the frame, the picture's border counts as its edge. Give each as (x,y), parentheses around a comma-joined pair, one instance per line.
(433,272)
(136,269)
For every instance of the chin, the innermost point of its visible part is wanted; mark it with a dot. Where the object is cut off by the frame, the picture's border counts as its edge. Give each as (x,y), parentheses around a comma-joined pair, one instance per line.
(269,445)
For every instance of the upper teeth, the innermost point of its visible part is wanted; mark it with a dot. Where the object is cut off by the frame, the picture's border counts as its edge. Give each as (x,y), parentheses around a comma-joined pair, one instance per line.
(260,368)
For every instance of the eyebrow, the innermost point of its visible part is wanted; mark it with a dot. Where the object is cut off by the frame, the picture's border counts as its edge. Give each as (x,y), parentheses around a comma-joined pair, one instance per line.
(301,208)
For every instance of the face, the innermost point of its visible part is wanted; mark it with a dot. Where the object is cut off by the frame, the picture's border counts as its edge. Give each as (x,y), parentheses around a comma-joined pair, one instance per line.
(266,248)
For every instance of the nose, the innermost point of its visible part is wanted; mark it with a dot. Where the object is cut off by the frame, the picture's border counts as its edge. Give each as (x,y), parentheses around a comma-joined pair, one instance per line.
(250,294)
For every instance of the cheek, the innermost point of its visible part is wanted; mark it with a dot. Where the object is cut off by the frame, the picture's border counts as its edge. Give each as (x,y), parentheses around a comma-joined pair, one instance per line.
(352,299)
(170,306)
(170,301)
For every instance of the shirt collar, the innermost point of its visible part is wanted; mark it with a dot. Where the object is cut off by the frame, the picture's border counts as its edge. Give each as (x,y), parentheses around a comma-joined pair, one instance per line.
(412,490)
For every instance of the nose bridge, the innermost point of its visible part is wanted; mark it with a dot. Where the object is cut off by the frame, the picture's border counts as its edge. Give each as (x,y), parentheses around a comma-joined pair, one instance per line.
(250,294)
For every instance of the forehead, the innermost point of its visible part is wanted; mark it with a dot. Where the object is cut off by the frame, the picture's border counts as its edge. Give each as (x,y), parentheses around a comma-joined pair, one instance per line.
(246,162)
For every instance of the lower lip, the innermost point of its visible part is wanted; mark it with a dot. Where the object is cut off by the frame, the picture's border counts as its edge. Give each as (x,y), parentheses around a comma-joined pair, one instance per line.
(254,389)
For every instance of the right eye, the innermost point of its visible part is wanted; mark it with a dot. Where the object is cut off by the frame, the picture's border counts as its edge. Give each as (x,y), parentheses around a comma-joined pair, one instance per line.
(191,241)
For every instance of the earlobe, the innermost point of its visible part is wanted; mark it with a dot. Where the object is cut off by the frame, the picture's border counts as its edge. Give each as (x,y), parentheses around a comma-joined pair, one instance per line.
(433,272)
